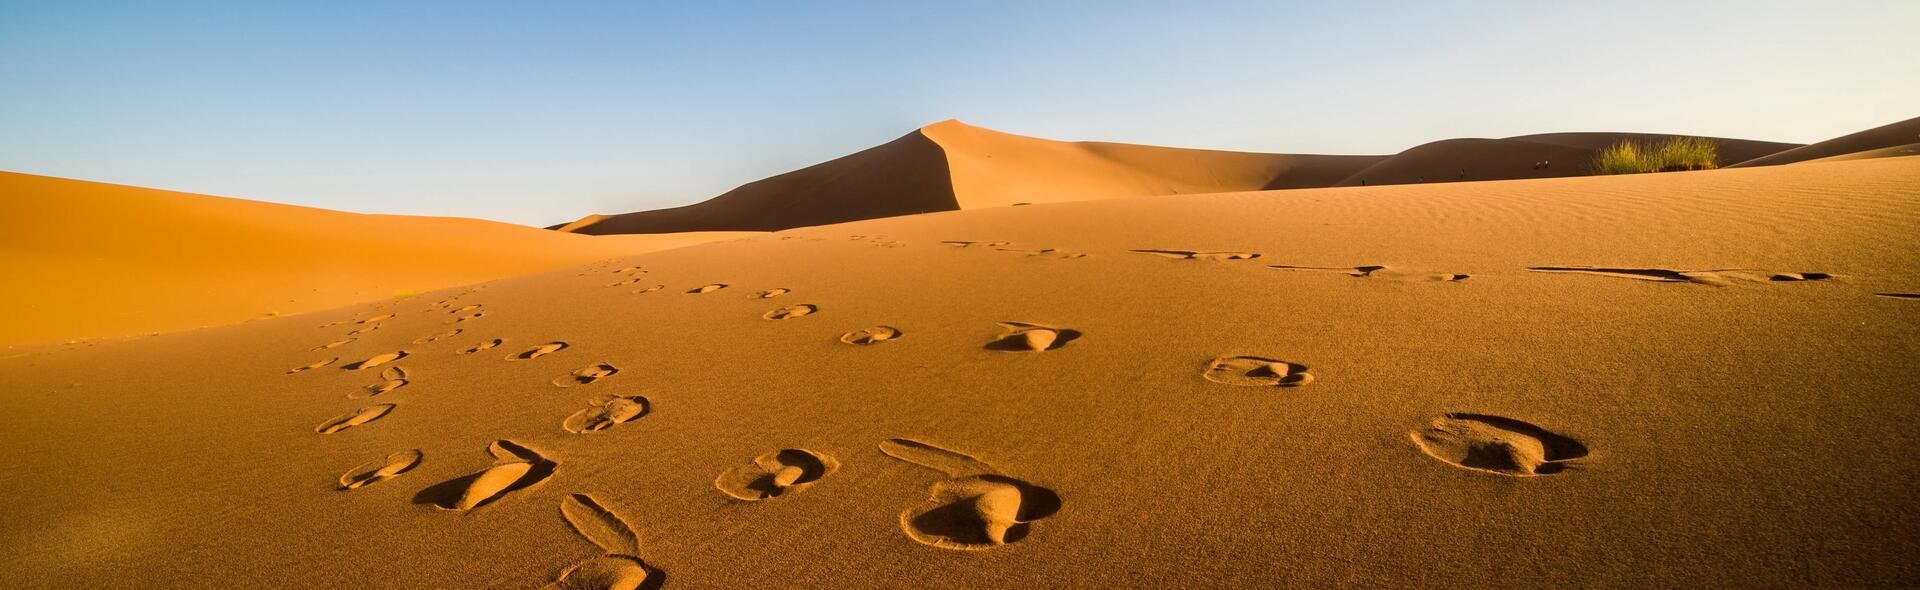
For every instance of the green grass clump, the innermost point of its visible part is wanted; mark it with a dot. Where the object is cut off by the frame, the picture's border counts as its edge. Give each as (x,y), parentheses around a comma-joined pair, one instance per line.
(1673,155)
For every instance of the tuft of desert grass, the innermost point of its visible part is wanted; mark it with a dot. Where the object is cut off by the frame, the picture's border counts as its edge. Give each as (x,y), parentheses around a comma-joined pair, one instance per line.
(1673,155)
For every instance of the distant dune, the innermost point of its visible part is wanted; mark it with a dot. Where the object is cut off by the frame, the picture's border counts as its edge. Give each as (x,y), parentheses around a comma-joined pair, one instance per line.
(87,259)
(1885,136)
(950,166)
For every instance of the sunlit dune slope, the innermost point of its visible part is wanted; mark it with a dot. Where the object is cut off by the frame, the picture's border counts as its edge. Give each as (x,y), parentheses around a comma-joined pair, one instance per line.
(1639,381)
(85,259)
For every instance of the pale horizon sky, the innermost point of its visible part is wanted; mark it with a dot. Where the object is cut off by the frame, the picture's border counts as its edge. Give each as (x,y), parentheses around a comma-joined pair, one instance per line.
(538,113)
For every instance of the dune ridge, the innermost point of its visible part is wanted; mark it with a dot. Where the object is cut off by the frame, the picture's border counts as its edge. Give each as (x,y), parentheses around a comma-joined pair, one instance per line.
(950,165)
(1891,135)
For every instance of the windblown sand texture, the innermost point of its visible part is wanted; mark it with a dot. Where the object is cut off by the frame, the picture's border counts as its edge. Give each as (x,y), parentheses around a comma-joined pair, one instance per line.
(1659,380)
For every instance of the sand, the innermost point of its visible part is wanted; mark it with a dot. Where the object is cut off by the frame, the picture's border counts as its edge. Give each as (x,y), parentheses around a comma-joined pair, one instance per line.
(1683,379)
(93,260)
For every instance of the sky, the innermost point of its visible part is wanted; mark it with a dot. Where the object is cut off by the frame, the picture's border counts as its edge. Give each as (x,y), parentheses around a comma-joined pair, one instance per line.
(541,112)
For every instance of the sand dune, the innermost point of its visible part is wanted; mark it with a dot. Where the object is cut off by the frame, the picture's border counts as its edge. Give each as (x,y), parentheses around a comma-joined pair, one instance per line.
(1545,155)
(1891,135)
(85,259)
(1632,381)
(950,166)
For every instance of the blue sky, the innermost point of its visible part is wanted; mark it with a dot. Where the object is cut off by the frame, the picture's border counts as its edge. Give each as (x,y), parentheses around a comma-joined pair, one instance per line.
(538,112)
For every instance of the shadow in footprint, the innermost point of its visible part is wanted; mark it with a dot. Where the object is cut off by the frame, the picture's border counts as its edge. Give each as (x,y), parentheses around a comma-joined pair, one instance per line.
(483,346)
(621,567)
(375,361)
(515,468)
(353,418)
(1252,371)
(538,351)
(976,507)
(1497,444)
(791,312)
(775,474)
(586,375)
(1026,337)
(606,412)
(979,512)
(379,470)
(305,368)
(1195,255)
(1380,271)
(873,335)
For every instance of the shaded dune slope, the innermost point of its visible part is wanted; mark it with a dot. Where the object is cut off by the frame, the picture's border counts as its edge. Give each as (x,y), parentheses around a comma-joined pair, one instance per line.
(1885,136)
(87,259)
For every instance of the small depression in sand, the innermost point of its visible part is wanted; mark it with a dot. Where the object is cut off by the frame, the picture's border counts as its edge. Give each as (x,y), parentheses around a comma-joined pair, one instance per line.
(776,474)
(1495,444)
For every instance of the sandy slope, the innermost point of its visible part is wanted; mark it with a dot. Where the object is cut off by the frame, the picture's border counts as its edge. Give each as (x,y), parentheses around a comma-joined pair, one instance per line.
(1884,136)
(1670,417)
(85,259)
(951,165)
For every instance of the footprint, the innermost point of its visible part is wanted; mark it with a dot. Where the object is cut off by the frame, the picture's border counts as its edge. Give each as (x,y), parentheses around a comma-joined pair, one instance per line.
(650,289)
(1799,276)
(1715,277)
(335,344)
(465,309)
(515,468)
(312,366)
(586,375)
(706,288)
(791,312)
(538,351)
(1025,337)
(1257,371)
(472,316)
(620,568)
(966,244)
(364,330)
(376,361)
(482,346)
(873,335)
(976,508)
(379,470)
(625,282)
(1900,295)
(629,269)
(395,378)
(377,318)
(353,418)
(606,412)
(772,293)
(1027,251)
(1192,255)
(1497,445)
(1380,272)
(775,474)
(426,339)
